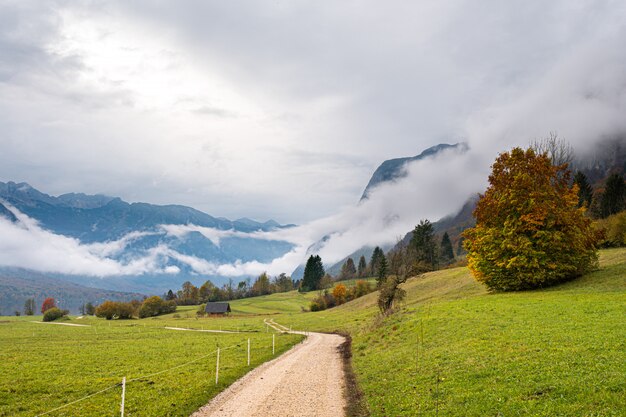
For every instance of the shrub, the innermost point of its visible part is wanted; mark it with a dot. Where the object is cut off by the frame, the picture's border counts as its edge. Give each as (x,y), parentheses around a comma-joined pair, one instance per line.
(340,292)
(153,306)
(360,289)
(115,310)
(613,230)
(391,293)
(53,314)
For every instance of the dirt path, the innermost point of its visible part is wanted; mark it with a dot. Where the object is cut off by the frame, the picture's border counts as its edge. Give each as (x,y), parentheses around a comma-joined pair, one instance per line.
(200,330)
(62,324)
(306,381)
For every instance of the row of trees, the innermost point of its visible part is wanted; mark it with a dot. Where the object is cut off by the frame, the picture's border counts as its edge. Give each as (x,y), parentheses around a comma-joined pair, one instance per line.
(189,294)
(607,200)
(150,307)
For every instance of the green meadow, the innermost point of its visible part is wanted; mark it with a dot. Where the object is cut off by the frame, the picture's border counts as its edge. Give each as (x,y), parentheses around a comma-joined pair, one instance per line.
(169,372)
(450,349)
(453,349)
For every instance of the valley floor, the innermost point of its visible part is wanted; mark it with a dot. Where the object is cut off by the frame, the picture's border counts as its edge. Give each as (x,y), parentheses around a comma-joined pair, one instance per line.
(451,349)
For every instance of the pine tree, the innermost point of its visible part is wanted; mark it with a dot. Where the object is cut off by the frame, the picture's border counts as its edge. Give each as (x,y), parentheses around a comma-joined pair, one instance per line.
(423,247)
(382,271)
(585,192)
(361,271)
(375,259)
(614,198)
(313,273)
(446,252)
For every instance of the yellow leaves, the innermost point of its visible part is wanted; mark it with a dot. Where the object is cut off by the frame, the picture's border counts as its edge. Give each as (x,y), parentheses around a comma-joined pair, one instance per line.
(529,231)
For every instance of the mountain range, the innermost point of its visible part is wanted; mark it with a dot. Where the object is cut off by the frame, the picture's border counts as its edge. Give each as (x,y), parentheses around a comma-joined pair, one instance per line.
(137,231)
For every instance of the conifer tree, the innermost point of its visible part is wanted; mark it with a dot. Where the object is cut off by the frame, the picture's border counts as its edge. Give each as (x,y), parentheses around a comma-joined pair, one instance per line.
(613,199)
(375,259)
(446,252)
(361,271)
(423,247)
(382,271)
(585,192)
(313,273)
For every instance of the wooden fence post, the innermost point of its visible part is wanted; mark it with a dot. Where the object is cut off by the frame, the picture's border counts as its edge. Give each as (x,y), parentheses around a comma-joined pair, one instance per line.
(123,395)
(217,367)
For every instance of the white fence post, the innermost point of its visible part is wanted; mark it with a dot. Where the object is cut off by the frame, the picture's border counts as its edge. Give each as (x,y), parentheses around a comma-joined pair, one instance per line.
(273,344)
(123,395)
(217,367)
(248,352)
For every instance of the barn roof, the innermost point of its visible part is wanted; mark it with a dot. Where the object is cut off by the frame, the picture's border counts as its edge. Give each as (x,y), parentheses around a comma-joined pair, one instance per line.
(217,308)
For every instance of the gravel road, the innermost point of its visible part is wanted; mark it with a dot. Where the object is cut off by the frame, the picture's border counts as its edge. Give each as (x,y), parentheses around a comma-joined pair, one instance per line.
(306,381)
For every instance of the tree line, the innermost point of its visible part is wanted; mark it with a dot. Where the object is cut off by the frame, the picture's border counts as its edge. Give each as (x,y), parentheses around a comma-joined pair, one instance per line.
(189,294)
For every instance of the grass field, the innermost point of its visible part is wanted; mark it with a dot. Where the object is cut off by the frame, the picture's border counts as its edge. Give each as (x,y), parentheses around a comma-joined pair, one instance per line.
(452,349)
(455,350)
(44,366)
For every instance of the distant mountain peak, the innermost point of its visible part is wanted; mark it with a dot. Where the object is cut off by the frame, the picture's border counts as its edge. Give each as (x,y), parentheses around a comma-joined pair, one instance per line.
(392,169)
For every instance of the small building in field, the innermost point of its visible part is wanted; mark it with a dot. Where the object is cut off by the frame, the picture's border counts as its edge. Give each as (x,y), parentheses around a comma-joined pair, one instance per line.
(217,308)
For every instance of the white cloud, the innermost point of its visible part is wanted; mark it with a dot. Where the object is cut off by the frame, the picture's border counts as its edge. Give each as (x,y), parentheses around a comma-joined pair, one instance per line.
(27,245)
(286,113)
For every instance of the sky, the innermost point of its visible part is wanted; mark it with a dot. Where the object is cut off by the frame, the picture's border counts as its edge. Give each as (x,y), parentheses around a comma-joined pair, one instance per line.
(284,109)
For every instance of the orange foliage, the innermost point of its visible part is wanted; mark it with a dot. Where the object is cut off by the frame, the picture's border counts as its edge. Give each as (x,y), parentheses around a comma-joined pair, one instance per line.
(529,231)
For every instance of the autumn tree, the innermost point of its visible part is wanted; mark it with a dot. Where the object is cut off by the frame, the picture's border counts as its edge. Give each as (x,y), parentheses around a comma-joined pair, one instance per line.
(283,283)
(529,231)
(313,273)
(47,304)
(261,285)
(339,292)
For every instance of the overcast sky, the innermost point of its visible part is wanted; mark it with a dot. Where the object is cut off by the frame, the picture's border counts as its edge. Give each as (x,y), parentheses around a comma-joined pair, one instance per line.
(283,109)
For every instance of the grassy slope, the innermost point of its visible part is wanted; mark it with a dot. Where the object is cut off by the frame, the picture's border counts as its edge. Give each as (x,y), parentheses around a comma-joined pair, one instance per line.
(457,350)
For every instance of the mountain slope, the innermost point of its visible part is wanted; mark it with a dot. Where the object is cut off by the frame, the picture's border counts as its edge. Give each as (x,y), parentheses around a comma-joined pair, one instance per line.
(392,169)
(17,285)
(168,244)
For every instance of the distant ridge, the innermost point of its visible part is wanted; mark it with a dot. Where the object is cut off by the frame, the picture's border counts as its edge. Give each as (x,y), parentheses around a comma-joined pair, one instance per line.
(392,169)
(177,237)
